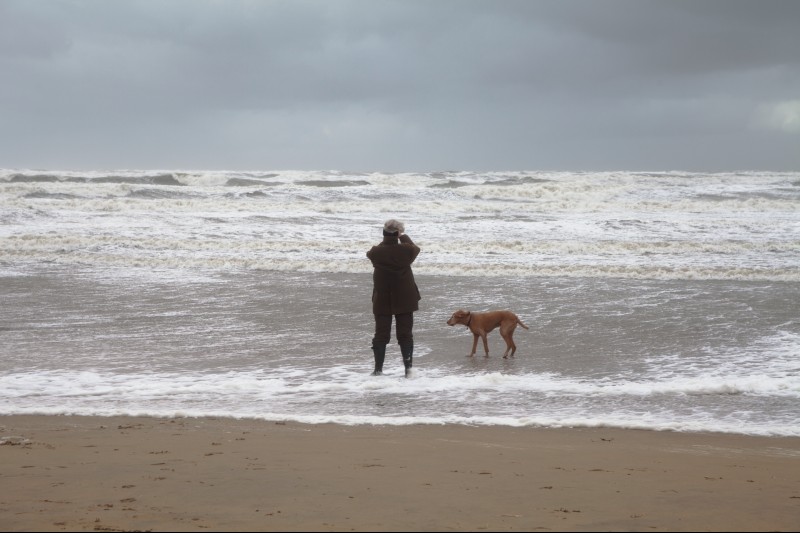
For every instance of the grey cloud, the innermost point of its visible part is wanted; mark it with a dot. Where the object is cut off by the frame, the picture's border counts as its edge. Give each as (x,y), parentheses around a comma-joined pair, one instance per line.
(399,85)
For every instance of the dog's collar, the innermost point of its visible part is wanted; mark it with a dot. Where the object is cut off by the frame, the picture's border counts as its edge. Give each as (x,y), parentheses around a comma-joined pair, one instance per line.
(470,317)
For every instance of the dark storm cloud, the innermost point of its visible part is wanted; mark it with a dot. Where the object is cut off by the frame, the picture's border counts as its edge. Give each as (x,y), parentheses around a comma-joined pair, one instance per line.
(403,85)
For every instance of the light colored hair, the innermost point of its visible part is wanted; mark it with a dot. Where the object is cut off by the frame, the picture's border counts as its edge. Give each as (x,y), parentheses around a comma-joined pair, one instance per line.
(394,226)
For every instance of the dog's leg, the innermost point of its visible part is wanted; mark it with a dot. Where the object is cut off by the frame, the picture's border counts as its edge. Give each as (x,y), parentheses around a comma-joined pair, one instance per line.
(508,336)
(485,344)
(474,344)
(511,346)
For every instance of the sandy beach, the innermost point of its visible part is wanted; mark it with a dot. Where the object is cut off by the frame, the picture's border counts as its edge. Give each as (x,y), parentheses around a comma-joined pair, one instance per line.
(69,473)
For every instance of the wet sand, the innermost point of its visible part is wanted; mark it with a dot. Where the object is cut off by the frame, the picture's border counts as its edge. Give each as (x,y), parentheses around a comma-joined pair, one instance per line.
(64,473)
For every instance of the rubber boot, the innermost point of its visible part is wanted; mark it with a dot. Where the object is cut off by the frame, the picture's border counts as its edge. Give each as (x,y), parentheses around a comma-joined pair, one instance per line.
(379,351)
(408,352)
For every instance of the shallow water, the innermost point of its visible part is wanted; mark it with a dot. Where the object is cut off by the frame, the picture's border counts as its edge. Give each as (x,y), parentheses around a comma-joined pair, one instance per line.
(663,301)
(718,356)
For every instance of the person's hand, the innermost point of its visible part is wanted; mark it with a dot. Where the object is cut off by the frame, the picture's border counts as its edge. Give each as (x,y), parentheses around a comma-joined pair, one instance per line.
(404,238)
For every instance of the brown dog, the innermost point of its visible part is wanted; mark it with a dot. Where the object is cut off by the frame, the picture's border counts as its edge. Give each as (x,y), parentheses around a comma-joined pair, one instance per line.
(480,324)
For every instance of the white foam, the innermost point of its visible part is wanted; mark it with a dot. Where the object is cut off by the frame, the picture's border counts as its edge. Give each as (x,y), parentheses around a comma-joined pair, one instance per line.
(297,394)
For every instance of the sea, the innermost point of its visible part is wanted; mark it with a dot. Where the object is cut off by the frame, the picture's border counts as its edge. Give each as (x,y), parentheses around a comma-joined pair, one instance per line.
(663,301)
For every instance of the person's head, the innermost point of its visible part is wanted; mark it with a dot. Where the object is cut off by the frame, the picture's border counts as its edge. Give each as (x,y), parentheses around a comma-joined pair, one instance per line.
(393,228)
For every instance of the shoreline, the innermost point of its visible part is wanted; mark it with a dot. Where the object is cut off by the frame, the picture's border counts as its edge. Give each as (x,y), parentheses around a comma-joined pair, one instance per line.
(82,473)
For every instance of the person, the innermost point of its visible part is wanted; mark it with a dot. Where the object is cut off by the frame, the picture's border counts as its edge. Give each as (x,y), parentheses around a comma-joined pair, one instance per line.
(394,294)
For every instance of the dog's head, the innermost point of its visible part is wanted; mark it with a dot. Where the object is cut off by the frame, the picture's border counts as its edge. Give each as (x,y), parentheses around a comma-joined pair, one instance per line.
(459,317)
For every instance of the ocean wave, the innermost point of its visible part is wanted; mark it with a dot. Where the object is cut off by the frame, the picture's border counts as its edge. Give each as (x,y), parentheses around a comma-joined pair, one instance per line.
(333,183)
(258,395)
(250,182)
(736,226)
(224,247)
(465,191)
(136,178)
(161,194)
(610,420)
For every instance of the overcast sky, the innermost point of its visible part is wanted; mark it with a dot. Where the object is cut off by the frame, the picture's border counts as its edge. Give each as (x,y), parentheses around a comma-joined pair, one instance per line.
(406,85)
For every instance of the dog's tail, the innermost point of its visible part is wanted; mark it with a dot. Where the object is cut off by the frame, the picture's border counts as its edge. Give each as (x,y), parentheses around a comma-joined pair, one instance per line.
(521,324)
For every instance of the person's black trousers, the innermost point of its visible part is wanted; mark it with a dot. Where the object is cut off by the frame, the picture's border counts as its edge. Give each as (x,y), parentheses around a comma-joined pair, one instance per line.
(404,324)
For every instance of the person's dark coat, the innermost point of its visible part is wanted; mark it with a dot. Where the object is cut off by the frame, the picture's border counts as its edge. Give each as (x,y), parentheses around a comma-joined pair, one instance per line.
(395,290)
